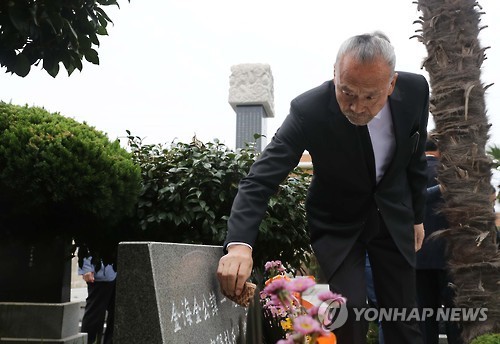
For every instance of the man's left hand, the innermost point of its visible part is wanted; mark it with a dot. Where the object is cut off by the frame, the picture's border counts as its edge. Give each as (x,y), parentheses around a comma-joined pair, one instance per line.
(419,235)
(88,277)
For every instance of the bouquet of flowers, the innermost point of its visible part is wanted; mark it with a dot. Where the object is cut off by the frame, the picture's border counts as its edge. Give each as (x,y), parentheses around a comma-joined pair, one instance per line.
(288,319)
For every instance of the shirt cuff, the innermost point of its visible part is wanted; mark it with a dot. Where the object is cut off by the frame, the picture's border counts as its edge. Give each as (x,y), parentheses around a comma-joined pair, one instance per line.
(239,243)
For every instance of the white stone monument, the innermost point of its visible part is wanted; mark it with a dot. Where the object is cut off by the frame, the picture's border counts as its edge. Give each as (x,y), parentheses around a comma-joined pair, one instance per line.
(251,94)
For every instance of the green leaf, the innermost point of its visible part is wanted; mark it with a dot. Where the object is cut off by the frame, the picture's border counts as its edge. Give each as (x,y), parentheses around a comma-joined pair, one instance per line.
(51,66)
(33,11)
(101,30)
(19,16)
(77,62)
(70,69)
(92,56)
(93,38)
(67,25)
(103,14)
(22,66)
(85,43)
(67,61)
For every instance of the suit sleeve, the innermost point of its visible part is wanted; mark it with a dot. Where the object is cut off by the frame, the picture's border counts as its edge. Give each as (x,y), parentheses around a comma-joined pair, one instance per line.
(280,156)
(417,168)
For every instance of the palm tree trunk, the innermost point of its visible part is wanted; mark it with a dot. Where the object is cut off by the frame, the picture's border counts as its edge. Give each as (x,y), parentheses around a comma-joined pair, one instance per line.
(450,30)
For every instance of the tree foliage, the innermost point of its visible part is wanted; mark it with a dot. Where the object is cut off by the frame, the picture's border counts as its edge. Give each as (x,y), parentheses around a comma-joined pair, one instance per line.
(50,32)
(188,190)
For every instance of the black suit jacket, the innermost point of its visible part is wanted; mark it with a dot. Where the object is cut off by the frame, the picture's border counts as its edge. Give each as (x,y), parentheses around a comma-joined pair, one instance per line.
(342,196)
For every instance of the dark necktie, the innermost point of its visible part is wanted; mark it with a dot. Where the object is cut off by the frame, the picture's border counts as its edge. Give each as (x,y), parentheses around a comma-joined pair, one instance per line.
(366,145)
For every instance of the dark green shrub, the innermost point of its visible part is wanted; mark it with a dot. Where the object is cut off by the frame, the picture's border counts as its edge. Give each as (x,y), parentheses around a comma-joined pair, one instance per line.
(491,338)
(188,190)
(59,177)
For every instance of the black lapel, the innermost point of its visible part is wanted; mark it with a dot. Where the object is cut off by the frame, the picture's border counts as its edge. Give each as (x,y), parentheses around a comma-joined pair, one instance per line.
(400,122)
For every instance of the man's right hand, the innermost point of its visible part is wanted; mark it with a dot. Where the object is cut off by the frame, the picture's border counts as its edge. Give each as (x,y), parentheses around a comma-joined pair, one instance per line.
(234,269)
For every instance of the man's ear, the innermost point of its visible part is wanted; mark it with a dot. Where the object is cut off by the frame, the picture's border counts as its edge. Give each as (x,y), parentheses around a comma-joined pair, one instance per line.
(393,83)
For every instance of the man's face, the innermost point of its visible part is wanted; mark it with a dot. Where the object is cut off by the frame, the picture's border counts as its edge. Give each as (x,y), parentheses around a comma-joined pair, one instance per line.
(362,88)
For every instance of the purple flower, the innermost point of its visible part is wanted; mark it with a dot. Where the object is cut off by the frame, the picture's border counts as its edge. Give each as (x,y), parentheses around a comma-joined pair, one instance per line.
(305,324)
(300,284)
(330,296)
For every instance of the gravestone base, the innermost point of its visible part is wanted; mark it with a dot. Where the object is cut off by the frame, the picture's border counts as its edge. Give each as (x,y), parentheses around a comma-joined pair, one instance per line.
(40,323)
(80,338)
(169,293)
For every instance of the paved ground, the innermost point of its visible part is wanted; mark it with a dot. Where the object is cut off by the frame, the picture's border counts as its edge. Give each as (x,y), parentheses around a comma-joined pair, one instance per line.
(79,295)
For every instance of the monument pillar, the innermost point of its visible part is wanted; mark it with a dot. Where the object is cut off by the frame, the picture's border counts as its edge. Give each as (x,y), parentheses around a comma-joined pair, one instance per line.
(251,95)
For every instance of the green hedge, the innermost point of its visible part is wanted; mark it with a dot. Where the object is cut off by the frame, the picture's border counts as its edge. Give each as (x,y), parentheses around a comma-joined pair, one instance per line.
(61,177)
(188,190)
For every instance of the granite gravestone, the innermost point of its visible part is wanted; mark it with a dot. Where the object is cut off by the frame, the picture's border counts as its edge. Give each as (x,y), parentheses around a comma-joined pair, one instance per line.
(169,293)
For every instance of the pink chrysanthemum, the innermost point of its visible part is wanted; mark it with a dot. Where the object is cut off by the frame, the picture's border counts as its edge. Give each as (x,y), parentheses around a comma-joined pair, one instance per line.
(268,265)
(313,311)
(272,265)
(300,284)
(305,324)
(286,341)
(330,296)
(275,286)
(275,301)
(274,268)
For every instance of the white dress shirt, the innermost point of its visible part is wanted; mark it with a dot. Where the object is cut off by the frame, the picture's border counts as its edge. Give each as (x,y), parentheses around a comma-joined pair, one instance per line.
(383,142)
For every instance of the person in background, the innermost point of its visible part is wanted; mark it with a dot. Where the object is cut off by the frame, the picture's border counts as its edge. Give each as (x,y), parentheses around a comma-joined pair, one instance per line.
(433,281)
(432,156)
(101,299)
(365,131)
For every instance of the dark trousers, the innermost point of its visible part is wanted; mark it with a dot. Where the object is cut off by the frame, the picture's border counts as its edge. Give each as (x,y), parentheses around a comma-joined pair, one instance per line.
(100,299)
(394,282)
(434,292)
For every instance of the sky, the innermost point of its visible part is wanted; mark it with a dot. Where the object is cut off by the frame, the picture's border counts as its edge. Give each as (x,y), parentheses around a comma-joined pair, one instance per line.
(165,66)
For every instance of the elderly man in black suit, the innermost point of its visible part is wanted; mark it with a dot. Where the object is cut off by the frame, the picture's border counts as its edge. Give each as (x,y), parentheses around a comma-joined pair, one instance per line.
(365,131)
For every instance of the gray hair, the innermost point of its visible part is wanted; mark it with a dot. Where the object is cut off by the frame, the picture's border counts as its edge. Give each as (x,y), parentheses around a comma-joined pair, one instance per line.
(369,46)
